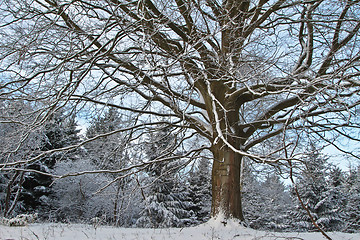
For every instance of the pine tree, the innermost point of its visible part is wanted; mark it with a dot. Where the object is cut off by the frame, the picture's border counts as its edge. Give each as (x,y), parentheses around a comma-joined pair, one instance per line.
(108,152)
(60,130)
(276,203)
(15,197)
(333,201)
(11,134)
(251,198)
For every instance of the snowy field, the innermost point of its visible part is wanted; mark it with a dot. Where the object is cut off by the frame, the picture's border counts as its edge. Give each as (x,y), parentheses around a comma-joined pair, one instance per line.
(209,231)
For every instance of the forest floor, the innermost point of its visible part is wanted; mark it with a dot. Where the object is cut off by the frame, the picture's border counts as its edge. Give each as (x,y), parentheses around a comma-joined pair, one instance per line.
(213,230)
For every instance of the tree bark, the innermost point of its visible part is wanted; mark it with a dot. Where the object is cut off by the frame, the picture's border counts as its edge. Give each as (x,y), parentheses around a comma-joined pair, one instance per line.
(226,195)
(224,117)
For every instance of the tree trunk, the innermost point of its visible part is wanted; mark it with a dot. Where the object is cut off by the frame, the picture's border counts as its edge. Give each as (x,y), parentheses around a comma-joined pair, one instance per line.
(226,195)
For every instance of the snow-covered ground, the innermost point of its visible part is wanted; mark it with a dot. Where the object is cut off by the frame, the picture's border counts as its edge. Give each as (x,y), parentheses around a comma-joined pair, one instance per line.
(209,231)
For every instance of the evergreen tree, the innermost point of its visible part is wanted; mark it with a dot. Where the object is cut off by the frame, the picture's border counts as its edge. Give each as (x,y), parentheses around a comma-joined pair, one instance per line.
(108,152)
(16,144)
(110,121)
(266,203)
(200,190)
(10,133)
(319,187)
(276,203)
(333,200)
(251,199)
(353,204)
(59,131)
(166,204)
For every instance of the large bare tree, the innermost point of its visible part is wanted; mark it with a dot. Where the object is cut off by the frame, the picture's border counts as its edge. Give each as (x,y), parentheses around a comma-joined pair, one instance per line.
(238,73)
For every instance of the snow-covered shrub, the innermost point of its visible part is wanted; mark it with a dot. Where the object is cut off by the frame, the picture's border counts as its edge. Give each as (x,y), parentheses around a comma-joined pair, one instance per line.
(77,198)
(19,220)
(4,221)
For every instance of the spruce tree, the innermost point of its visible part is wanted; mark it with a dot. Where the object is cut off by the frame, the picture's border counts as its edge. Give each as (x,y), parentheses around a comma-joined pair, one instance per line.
(29,191)
(276,203)
(267,202)
(166,204)
(333,201)
(200,190)
(353,204)
(59,131)
(251,198)
(11,135)
(107,152)
(110,152)
(319,187)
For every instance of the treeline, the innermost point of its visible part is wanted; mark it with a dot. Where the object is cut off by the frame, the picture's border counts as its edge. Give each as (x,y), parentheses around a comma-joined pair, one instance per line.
(169,192)
(331,195)
(161,194)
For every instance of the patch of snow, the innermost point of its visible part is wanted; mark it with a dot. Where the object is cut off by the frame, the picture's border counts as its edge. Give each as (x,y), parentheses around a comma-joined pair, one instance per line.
(214,229)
